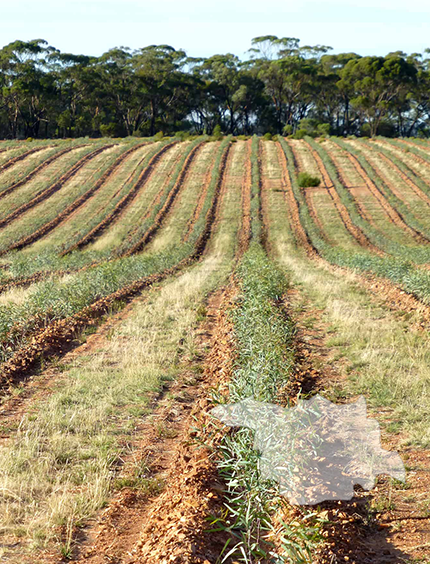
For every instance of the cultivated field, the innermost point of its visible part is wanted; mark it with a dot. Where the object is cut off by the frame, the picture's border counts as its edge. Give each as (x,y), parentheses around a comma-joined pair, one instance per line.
(145,281)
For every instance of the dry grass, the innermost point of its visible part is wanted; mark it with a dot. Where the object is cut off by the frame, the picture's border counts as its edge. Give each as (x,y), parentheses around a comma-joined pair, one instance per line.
(56,469)
(384,359)
(134,212)
(176,223)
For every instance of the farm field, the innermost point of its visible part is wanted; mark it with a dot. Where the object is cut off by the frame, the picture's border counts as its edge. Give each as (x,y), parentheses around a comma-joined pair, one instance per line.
(145,281)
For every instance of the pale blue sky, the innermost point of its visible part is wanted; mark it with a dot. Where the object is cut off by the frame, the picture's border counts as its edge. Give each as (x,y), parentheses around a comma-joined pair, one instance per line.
(204,27)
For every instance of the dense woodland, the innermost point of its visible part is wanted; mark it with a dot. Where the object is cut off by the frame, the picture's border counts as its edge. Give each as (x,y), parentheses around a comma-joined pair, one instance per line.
(281,87)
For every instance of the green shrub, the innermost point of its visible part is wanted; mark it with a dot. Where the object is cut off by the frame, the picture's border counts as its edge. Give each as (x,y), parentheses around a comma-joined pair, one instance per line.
(158,136)
(217,133)
(288,130)
(267,136)
(300,134)
(306,180)
(182,135)
(323,129)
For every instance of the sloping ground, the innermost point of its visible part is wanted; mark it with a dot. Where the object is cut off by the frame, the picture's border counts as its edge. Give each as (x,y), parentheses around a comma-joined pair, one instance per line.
(108,450)
(50,202)
(120,228)
(98,201)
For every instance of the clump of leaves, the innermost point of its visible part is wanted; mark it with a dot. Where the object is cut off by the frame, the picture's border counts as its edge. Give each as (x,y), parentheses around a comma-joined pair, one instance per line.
(306,180)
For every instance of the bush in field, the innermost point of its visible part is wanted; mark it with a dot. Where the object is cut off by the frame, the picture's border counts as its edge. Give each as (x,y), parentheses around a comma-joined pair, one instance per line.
(267,136)
(306,180)
(182,135)
(323,129)
(300,134)
(288,130)
(217,133)
(158,136)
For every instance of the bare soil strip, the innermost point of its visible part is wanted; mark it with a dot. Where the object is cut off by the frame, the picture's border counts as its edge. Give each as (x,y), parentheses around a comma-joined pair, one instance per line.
(293,207)
(161,215)
(42,231)
(33,173)
(200,202)
(49,191)
(127,199)
(245,232)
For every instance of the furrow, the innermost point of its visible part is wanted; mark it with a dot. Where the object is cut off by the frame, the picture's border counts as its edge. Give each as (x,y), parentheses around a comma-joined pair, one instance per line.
(161,215)
(42,231)
(127,199)
(57,336)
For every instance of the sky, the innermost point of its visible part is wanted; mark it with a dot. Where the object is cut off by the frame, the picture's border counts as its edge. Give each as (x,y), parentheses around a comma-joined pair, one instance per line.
(206,27)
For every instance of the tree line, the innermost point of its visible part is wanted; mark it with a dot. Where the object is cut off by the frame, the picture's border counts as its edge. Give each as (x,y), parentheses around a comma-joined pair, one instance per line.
(281,88)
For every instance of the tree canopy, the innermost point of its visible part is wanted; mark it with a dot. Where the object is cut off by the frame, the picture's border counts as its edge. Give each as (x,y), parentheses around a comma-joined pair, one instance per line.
(281,87)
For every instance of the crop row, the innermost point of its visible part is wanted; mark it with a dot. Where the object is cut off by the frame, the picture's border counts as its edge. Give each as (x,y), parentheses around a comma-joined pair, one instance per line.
(57,299)
(418,254)
(263,338)
(402,272)
(396,203)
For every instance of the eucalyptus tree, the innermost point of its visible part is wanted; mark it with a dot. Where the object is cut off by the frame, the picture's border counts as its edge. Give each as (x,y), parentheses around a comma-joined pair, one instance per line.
(288,72)
(375,83)
(26,86)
